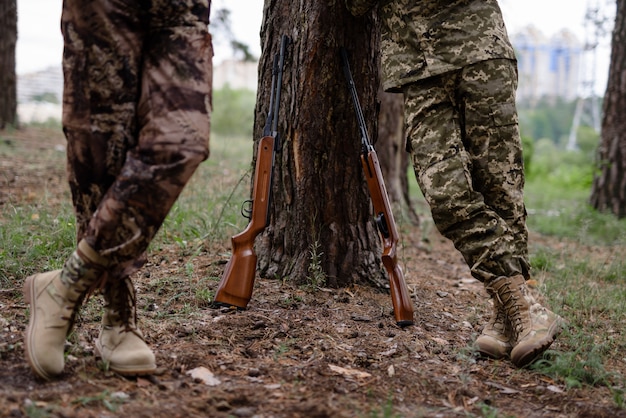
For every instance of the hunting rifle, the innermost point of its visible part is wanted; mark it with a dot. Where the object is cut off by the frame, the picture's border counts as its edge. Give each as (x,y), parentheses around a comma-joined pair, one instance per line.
(402,306)
(235,288)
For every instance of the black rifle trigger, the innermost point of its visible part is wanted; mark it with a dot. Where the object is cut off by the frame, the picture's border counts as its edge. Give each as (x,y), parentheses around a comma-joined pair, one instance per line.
(381,223)
(246,209)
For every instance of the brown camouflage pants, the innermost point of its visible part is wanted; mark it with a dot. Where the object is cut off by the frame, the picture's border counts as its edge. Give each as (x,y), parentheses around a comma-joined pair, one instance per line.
(463,135)
(136,108)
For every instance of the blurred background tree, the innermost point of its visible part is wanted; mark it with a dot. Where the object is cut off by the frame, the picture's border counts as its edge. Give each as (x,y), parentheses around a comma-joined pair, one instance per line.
(8,79)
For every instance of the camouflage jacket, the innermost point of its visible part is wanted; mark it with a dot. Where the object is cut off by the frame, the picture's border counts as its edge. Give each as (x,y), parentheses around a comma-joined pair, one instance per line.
(423,38)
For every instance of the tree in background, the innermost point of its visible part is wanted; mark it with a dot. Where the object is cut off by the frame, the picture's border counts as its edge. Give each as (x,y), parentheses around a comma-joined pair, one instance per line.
(221,26)
(8,83)
(321,217)
(394,159)
(608,192)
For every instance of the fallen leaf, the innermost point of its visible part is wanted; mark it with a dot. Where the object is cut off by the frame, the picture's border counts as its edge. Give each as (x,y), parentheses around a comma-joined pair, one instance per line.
(349,372)
(393,350)
(122,396)
(204,375)
(503,389)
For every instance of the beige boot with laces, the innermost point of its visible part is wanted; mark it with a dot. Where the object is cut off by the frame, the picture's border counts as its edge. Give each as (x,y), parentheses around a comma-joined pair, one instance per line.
(533,327)
(54,297)
(121,344)
(495,340)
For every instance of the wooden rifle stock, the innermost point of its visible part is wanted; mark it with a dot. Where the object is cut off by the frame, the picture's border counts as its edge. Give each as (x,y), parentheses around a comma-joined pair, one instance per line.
(235,288)
(400,299)
(402,305)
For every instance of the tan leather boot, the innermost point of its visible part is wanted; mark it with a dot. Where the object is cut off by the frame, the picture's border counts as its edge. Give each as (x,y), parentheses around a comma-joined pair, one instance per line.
(54,298)
(533,326)
(495,340)
(120,343)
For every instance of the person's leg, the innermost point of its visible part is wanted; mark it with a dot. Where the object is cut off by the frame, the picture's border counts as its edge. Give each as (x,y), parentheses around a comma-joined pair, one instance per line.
(101,66)
(486,98)
(120,202)
(486,92)
(491,136)
(98,122)
(136,115)
(444,169)
(173,122)
(172,131)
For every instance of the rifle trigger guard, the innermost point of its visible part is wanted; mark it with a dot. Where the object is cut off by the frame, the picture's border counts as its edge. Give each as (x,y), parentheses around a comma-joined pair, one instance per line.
(381,223)
(246,209)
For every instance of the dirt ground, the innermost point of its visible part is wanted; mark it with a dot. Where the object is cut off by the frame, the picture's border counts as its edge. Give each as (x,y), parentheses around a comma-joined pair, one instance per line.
(292,353)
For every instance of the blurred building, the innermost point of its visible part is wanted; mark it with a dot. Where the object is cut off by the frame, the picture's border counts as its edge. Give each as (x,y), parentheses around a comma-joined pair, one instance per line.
(39,95)
(236,74)
(44,85)
(548,68)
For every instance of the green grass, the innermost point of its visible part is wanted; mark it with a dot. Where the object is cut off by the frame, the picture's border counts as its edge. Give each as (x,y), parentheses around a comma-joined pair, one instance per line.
(34,239)
(583,278)
(581,271)
(210,205)
(40,234)
(565,213)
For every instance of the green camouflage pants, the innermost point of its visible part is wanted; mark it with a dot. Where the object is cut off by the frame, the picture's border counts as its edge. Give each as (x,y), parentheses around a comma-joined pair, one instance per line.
(136,106)
(463,135)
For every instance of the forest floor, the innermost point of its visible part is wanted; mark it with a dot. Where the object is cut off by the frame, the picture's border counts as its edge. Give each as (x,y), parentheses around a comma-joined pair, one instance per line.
(292,353)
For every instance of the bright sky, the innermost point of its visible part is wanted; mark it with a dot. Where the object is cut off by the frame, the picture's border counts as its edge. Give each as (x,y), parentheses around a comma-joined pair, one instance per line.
(40,43)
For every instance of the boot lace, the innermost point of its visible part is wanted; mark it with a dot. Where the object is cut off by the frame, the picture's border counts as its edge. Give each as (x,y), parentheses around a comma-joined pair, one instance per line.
(511,309)
(121,300)
(499,321)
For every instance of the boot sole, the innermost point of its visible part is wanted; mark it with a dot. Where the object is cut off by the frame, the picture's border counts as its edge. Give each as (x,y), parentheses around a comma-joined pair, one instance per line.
(29,298)
(490,351)
(496,355)
(125,371)
(528,358)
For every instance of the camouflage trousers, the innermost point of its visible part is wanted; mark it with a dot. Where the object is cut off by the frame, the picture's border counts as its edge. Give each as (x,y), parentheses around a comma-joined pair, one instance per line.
(463,136)
(136,108)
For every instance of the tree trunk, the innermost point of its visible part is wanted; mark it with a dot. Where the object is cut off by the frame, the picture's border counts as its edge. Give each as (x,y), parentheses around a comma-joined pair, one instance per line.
(394,160)
(8,83)
(321,216)
(608,193)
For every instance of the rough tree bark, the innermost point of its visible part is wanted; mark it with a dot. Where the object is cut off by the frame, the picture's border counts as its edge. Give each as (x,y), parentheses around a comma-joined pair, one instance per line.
(320,199)
(608,193)
(8,81)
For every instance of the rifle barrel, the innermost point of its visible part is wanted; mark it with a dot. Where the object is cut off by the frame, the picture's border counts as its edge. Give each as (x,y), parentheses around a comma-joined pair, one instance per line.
(284,42)
(365,138)
(400,297)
